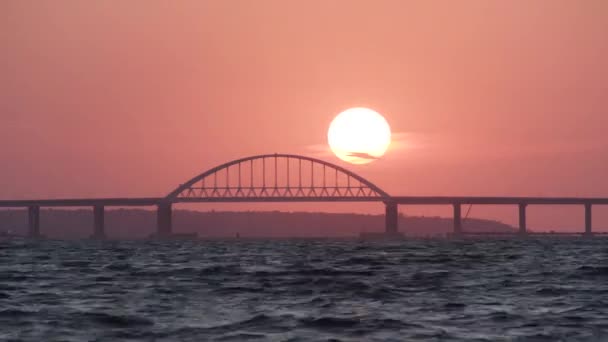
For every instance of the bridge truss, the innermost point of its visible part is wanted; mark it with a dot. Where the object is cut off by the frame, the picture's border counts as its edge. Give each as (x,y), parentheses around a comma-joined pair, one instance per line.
(277,177)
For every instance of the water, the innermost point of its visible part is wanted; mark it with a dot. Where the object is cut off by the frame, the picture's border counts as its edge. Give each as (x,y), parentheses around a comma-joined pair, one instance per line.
(304,290)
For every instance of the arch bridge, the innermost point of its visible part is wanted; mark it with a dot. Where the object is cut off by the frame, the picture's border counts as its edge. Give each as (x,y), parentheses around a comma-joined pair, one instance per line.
(289,178)
(276,178)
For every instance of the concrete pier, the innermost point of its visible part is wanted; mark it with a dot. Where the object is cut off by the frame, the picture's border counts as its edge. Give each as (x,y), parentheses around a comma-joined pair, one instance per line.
(163,220)
(588,219)
(522,219)
(33,221)
(457,219)
(391,218)
(99,222)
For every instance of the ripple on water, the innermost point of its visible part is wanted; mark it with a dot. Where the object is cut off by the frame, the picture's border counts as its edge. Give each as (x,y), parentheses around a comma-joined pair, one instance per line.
(515,290)
(114,320)
(592,271)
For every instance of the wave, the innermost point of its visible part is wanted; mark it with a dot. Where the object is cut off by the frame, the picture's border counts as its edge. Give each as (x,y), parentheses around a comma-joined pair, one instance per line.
(114,320)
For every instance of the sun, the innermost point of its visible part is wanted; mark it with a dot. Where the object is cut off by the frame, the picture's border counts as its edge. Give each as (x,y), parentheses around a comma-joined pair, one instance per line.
(359,135)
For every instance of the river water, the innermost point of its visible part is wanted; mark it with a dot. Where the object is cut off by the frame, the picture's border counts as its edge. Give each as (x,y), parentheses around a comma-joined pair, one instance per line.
(305,290)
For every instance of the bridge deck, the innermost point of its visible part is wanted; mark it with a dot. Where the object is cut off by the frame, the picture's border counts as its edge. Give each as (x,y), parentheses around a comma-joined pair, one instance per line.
(403,200)
(421,200)
(81,202)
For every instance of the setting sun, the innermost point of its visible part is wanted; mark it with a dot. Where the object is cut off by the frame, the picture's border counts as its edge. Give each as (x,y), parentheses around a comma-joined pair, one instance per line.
(359,135)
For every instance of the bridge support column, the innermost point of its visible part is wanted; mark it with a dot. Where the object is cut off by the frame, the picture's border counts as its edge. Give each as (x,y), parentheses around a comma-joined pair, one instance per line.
(457,220)
(522,219)
(163,220)
(588,220)
(99,222)
(391,218)
(34,221)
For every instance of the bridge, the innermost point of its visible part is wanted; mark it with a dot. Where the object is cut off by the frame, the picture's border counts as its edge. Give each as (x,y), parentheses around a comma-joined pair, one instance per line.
(287,178)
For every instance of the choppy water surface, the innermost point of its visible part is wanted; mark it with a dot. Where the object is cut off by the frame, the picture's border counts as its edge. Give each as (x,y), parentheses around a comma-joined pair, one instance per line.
(301,290)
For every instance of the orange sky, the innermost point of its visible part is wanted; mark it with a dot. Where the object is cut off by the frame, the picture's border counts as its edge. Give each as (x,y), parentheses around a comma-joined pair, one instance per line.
(131,98)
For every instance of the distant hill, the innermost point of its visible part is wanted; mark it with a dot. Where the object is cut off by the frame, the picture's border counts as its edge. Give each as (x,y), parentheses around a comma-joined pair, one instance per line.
(136,223)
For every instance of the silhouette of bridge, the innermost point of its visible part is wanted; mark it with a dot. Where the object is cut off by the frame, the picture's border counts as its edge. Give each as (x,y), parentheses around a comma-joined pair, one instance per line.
(287,178)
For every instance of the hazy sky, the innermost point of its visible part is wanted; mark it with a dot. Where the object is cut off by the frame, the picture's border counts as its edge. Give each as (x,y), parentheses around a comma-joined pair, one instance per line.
(131,98)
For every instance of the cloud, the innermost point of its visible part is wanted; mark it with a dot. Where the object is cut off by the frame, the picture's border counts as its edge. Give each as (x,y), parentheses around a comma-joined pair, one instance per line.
(319,150)
(408,140)
(432,147)
(400,141)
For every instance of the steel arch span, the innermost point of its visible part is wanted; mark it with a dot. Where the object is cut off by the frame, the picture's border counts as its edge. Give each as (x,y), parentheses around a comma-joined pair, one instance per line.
(277,178)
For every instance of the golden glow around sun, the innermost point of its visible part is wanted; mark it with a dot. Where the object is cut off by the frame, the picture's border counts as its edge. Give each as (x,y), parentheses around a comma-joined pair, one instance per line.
(359,135)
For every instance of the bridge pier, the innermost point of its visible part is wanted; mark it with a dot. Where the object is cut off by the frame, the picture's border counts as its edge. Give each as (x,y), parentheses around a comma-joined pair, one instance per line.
(99,222)
(457,220)
(522,219)
(588,220)
(33,221)
(163,220)
(391,218)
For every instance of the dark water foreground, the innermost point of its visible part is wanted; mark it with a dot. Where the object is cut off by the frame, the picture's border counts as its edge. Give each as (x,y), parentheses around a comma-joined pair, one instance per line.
(299,290)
